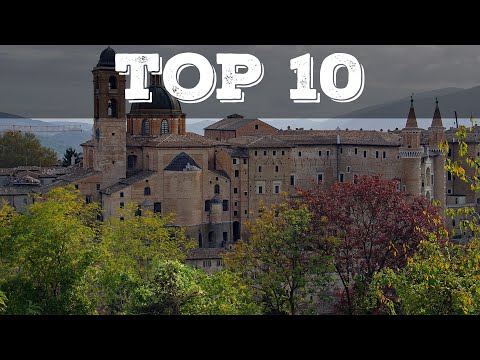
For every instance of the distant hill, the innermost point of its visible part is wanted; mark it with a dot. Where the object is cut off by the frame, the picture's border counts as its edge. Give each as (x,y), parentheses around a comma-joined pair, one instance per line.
(198,127)
(464,101)
(56,141)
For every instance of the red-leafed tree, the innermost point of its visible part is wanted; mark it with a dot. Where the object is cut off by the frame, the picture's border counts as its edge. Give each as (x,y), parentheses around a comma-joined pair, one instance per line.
(376,227)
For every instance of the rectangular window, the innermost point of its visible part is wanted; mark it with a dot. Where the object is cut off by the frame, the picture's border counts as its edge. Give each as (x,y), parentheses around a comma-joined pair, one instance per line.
(255,153)
(244,161)
(245,193)
(98,187)
(449,175)
(341,150)
(260,187)
(122,205)
(157,207)
(449,151)
(259,169)
(320,153)
(276,168)
(88,199)
(292,179)
(246,212)
(328,153)
(348,169)
(384,154)
(364,154)
(341,177)
(299,153)
(235,190)
(235,203)
(283,152)
(356,151)
(404,188)
(237,173)
(265,153)
(225,205)
(121,195)
(376,154)
(234,161)
(274,153)
(276,187)
(225,236)
(449,191)
(76,186)
(235,213)
(320,178)
(432,179)
(207,205)
(219,263)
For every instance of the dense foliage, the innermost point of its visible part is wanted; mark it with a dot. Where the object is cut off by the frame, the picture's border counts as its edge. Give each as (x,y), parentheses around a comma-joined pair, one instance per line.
(24,149)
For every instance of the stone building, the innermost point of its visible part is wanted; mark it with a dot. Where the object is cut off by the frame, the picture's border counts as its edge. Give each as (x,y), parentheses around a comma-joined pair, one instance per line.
(214,183)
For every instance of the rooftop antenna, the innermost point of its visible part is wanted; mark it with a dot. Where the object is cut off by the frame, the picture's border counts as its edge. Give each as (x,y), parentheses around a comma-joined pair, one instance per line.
(456,118)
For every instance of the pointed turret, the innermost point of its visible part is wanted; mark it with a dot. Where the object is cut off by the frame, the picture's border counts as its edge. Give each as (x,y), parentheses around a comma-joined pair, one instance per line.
(437,118)
(412,118)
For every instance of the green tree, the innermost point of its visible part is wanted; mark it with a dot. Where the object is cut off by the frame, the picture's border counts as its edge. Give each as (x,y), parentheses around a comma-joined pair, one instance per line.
(285,261)
(129,243)
(440,279)
(46,253)
(174,289)
(68,155)
(18,149)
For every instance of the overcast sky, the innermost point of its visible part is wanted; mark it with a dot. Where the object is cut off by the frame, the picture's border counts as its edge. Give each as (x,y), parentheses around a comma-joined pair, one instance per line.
(56,81)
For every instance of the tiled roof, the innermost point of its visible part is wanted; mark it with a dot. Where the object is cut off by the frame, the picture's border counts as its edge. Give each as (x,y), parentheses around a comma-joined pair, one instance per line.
(220,173)
(38,171)
(88,143)
(122,184)
(182,162)
(260,141)
(345,137)
(18,190)
(205,253)
(79,174)
(229,123)
(236,152)
(191,140)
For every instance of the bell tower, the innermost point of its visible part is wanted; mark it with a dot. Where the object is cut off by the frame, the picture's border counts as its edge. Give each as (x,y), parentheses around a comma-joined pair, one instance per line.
(109,127)
(411,154)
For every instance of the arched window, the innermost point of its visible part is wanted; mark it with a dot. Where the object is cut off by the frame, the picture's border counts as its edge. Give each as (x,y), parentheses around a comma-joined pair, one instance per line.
(146,127)
(112,108)
(428,176)
(146,191)
(97,134)
(216,189)
(164,127)
(112,82)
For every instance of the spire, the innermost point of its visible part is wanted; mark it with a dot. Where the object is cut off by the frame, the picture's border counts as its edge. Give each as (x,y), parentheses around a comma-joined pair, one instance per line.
(412,119)
(437,118)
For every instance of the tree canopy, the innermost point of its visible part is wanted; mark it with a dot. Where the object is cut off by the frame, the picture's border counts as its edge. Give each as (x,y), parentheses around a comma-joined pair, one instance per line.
(24,149)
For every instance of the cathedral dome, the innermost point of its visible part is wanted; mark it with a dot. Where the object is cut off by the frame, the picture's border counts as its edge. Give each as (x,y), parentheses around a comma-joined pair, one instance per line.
(162,101)
(107,58)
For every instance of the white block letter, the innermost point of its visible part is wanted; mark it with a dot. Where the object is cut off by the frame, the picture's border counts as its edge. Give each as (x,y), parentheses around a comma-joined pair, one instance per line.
(304,93)
(138,66)
(328,77)
(205,86)
(233,80)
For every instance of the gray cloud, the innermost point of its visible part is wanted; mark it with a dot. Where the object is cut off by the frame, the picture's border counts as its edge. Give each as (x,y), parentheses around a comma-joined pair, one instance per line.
(56,81)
